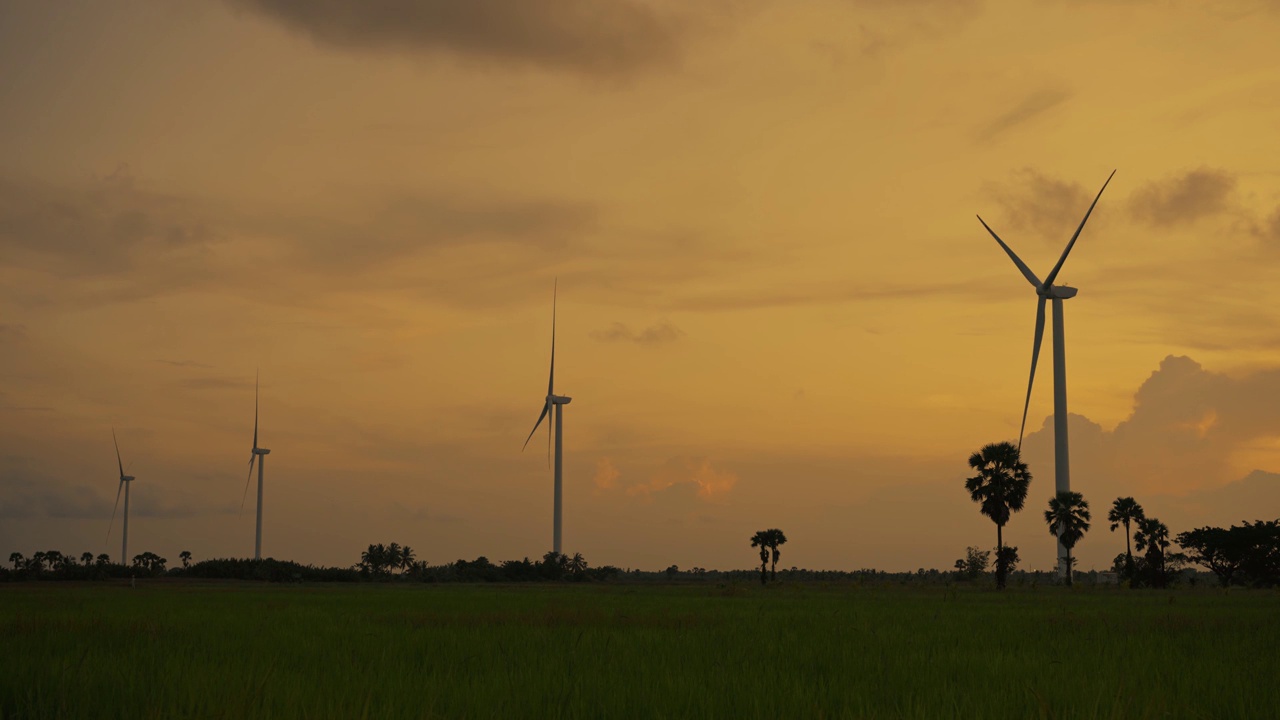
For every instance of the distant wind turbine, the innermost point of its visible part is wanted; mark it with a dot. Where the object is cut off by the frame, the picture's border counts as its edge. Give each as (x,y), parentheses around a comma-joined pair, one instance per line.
(260,455)
(554,403)
(1046,290)
(125,480)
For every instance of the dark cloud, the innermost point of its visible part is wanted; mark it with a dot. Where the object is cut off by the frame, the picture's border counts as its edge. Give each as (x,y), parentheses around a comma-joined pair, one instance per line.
(11,333)
(105,227)
(1034,105)
(1045,206)
(589,37)
(1185,198)
(26,491)
(187,364)
(659,334)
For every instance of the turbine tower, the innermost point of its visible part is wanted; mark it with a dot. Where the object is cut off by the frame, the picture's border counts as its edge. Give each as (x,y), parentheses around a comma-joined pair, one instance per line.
(260,455)
(125,480)
(1046,291)
(554,403)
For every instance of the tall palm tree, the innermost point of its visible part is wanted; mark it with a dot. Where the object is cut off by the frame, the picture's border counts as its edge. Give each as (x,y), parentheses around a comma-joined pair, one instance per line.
(185,557)
(17,560)
(577,565)
(1000,489)
(394,556)
(761,540)
(1126,511)
(406,558)
(1068,518)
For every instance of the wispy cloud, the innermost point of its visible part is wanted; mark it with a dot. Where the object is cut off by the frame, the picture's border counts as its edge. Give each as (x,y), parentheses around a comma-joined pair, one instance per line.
(1183,198)
(1029,108)
(586,37)
(659,334)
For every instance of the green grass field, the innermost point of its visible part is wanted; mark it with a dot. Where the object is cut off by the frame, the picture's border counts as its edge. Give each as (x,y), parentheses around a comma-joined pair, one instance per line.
(239,650)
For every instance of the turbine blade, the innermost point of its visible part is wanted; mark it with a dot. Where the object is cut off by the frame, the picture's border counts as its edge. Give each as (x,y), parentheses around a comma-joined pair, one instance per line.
(550,423)
(119,462)
(551,381)
(119,488)
(246,482)
(1035,356)
(1054,274)
(255,413)
(535,425)
(1026,271)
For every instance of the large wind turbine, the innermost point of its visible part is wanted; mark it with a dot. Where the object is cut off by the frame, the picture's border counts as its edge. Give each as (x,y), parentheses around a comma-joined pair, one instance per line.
(260,455)
(556,403)
(125,480)
(1046,290)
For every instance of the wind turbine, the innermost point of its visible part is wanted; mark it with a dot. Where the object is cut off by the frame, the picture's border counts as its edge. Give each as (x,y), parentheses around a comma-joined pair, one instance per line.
(260,455)
(554,403)
(1046,291)
(124,485)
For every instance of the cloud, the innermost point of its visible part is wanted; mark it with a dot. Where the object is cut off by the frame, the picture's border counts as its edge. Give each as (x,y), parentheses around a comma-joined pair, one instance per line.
(27,492)
(1032,106)
(12,333)
(1043,205)
(587,37)
(659,334)
(606,477)
(687,474)
(1268,231)
(1185,198)
(1190,429)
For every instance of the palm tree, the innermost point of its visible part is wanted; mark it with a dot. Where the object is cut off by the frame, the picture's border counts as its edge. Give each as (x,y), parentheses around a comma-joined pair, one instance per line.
(185,556)
(1068,518)
(17,560)
(761,540)
(1125,511)
(86,558)
(104,559)
(1153,537)
(1000,489)
(406,558)
(776,538)
(393,556)
(577,565)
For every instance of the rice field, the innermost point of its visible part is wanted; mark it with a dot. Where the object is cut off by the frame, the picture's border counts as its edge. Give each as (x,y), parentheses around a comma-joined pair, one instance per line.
(239,650)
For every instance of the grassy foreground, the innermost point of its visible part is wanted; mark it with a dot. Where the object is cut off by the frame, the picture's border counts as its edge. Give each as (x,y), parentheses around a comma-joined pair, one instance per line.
(175,650)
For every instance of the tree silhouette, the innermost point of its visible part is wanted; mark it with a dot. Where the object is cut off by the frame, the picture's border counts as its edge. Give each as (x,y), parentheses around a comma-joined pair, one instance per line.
(104,559)
(185,557)
(1068,519)
(1000,489)
(86,558)
(577,566)
(1153,538)
(1126,511)
(761,540)
(406,558)
(18,560)
(775,537)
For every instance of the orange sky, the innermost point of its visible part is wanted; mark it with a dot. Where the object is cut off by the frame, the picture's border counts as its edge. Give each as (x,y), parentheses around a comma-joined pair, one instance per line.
(776,305)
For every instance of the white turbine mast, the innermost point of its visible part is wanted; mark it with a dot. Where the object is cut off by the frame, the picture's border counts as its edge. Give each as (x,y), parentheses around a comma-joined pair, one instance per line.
(260,455)
(125,481)
(1046,291)
(554,403)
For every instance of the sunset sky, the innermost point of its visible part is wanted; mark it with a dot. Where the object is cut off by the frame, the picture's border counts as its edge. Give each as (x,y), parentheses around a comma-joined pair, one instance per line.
(776,307)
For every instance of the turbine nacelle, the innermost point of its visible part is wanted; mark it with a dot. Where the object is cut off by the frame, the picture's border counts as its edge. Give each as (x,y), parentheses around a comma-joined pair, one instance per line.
(126,478)
(559,399)
(261,451)
(1057,292)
